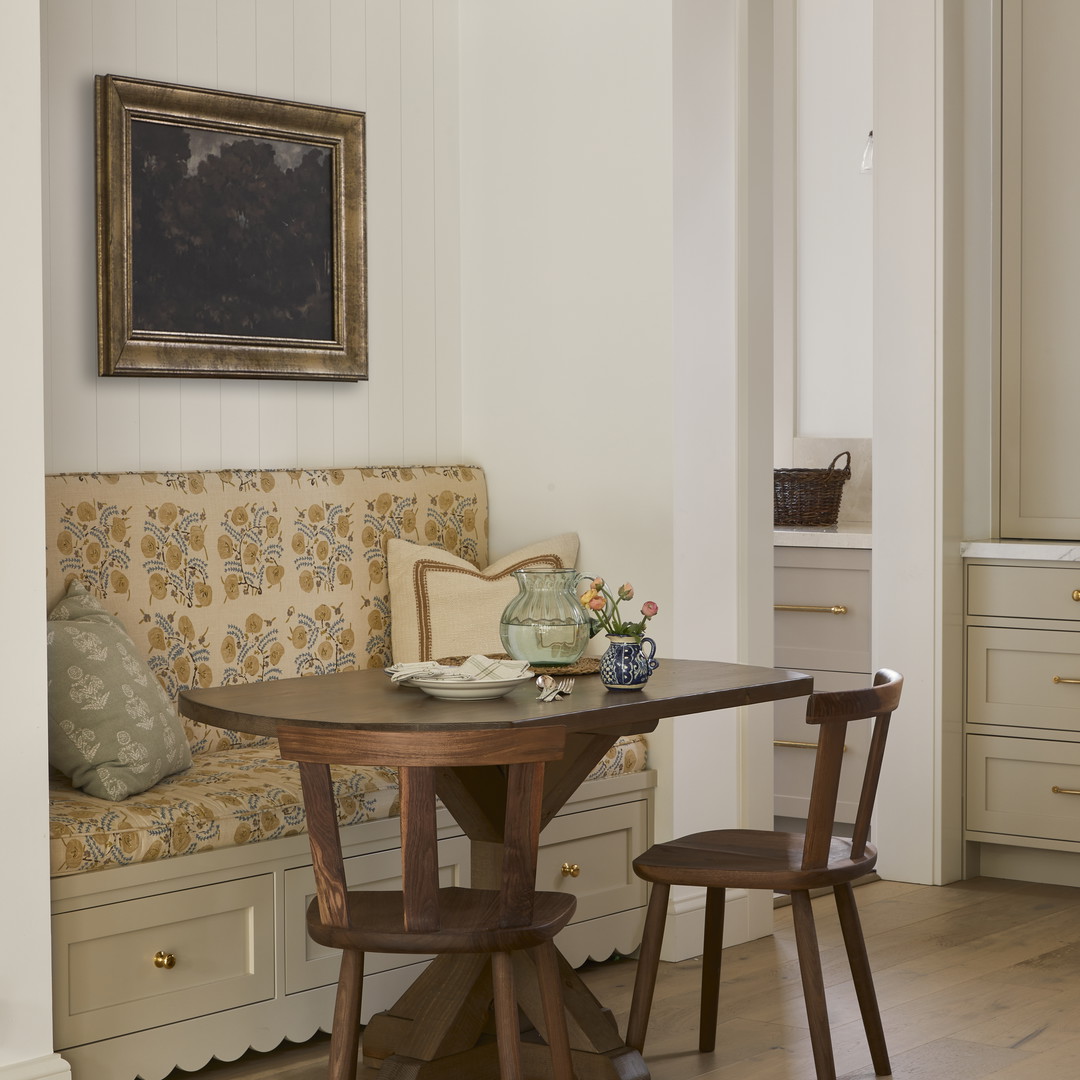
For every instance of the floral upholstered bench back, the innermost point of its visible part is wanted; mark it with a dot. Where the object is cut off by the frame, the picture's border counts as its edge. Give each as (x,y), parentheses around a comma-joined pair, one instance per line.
(238,576)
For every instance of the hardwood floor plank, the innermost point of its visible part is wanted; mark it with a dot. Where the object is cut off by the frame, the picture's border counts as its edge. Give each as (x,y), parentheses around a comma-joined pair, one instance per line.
(977,979)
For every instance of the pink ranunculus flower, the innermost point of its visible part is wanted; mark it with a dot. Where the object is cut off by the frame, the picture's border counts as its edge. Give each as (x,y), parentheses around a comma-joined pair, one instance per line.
(626,591)
(597,603)
(648,609)
(598,583)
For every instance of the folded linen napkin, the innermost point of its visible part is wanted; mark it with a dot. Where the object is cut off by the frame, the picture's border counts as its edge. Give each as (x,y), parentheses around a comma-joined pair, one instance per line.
(473,669)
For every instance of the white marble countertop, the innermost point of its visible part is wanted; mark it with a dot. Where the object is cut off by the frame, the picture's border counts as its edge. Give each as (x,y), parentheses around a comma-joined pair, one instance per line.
(1042,550)
(847,534)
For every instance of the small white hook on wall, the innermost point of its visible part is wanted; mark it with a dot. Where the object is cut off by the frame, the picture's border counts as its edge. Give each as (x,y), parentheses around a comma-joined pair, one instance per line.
(868,155)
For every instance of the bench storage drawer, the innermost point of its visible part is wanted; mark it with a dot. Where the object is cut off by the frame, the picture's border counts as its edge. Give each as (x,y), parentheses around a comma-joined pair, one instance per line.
(105,978)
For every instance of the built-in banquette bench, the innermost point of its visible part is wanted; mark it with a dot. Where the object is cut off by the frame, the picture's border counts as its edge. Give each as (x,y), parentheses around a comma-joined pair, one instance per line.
(178,911)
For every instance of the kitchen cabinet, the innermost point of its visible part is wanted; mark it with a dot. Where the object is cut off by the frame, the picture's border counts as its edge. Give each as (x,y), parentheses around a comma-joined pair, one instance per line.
(1040,264)
(1022,722)
(822,627)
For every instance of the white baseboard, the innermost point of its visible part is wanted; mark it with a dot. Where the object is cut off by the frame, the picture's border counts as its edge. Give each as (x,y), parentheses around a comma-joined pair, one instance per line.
(50,1067)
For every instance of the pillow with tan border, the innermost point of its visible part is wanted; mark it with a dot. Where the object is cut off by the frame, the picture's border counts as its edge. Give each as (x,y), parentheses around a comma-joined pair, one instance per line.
(441,605)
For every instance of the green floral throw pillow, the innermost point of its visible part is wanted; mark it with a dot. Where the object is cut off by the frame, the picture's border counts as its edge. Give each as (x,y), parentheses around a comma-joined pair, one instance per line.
(112,728)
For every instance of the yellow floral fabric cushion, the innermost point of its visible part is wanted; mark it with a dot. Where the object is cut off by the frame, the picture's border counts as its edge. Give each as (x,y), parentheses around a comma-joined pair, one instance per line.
(241,576)
(237,796)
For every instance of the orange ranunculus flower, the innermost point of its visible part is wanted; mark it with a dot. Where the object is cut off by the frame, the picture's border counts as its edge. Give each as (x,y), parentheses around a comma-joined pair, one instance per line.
(626,591)
(597,603)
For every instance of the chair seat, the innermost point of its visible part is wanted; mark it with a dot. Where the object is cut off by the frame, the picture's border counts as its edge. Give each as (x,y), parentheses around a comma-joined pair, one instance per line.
(468,923)
(749,859)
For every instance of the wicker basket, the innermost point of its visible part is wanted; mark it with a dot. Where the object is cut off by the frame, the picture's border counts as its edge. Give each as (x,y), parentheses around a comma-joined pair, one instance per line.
(809,496)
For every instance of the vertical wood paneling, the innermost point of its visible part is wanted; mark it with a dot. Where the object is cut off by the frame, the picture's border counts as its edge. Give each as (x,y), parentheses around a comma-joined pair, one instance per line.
(238,435)
(160,442)
(70,299)
(276,78)
(418,228)
(199,404)
(312,82)
(447,237)
(387,405)
(118,417)
(348,90)
(343,52)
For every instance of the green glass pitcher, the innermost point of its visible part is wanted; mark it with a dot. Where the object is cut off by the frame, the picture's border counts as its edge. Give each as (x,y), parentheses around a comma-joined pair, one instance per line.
(545,623)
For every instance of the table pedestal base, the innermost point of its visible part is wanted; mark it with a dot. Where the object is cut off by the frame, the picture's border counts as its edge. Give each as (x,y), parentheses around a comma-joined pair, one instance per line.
(440,1028)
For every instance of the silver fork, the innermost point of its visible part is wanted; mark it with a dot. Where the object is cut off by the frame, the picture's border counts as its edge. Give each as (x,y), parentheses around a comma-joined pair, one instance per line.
(552,689)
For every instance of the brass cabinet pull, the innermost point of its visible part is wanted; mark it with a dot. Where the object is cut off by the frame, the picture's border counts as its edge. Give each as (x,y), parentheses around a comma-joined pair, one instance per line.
(820,609)
(794,745)
(1070,682)
(1076,594)
(164,960)
(1063,791)
(570,869)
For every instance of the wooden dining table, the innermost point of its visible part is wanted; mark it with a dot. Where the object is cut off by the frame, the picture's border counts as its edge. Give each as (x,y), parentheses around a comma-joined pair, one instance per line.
(436,1029)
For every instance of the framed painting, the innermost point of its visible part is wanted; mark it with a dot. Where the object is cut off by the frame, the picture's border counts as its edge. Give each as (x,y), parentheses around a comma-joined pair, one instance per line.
(230,235)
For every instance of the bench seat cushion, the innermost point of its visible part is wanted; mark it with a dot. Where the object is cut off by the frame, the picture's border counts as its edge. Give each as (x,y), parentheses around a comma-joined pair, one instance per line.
(239,795)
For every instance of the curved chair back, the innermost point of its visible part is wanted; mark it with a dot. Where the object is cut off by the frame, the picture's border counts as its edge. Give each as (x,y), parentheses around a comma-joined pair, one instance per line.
(833,712)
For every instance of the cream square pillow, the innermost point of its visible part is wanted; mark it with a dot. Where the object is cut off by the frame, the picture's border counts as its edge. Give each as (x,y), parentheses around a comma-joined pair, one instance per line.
(441,605)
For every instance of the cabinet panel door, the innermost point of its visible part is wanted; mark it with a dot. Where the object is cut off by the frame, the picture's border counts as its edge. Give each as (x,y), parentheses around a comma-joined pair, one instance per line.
(1040,265)
(1023,678)
(1011,787)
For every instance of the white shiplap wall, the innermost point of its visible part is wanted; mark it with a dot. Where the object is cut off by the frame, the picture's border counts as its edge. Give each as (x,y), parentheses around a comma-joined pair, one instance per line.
(394,59)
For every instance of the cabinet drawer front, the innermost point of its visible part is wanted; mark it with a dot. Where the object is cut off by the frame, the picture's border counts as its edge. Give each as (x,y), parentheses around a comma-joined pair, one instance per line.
(1024,592)
(820,639)
(602,844)
(1011,677)
(793,766)
(308,964)
(1010,786)
(222,939)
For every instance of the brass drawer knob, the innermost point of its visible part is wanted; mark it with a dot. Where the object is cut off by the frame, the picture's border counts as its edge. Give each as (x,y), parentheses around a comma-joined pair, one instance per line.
(164,960)
(570,869)
(1076,594)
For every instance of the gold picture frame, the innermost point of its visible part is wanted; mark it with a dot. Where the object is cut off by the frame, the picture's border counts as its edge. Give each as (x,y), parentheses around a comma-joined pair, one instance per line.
(231,239)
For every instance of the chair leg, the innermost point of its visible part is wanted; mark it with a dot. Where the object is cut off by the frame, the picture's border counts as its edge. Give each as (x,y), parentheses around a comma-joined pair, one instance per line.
(345,1035)
(507,1031)
(862,977)
(648,962)
(551,993)
(711,954)
(817,1013)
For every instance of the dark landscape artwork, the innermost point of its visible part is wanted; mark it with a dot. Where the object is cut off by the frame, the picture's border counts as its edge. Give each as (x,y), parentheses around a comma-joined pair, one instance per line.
(231,234)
